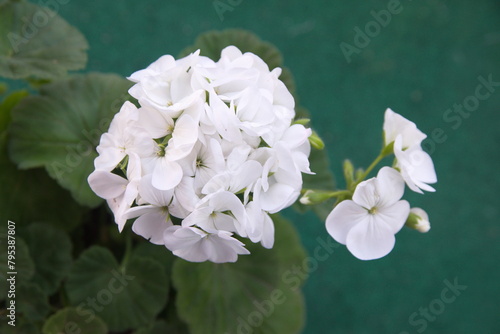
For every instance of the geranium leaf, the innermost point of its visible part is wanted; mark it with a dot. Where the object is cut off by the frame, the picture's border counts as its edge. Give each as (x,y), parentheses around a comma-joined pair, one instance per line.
(257,294)
(70,320)
(127,297)
(50,249)
(32,302)
(60,129)
(36,42)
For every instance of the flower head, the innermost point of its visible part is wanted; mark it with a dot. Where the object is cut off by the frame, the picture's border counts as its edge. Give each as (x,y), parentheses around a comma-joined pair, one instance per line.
(211,145)
(367,223)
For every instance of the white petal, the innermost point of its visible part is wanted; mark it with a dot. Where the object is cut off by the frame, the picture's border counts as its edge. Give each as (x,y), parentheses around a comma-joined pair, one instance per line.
(390,186)
(395,215)
(167,174)
(343,218)
(152,226)
(395,124)
(153,195)
(107,185)
(366,194)
(370,239)
(157,123)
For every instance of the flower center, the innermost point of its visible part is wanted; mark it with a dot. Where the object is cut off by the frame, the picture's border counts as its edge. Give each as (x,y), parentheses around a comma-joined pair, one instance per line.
(373,210)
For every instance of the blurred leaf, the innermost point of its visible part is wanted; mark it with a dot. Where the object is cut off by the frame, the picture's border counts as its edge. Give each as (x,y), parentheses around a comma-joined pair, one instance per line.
(61,128)
(50,250)
(31,195)
(156,252)
(159,327)
(256,294)
(36,42)
(212,42)
(24,265)
(70,321)
(5,108)
(21,327)
(126,297)
(32,302)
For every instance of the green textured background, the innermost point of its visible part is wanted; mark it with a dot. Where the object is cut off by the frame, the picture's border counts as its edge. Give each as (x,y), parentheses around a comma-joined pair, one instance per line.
(428,58)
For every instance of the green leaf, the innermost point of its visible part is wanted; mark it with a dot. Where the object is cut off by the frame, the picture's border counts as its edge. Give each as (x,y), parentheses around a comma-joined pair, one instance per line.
(24,265)
(159,327)
(257,294)
(31,195)
(125,297)
(50,250)
(71,321)
(36,42)
(158,253)
(5,108)
(212,42)
(60,129)
(32,302)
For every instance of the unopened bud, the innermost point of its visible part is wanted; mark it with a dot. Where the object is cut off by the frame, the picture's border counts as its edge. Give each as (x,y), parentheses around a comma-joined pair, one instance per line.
(316,141)
(418,220)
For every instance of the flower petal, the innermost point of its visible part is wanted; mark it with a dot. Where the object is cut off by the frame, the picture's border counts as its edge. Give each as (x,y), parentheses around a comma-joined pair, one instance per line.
(152,226)
(371,239)
(107,185)
(343,218)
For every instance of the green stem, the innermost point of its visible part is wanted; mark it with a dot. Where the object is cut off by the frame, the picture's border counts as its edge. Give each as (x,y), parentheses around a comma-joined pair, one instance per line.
(128,249)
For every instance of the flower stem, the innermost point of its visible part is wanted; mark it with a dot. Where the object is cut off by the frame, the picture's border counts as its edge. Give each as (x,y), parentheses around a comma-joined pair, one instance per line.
(128,250)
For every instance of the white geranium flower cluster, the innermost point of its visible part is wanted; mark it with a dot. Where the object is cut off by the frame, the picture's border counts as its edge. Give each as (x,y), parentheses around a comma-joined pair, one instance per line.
(210,153)
(367,223)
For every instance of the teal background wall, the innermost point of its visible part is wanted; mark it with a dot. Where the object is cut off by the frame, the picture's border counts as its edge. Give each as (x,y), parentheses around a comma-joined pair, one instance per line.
(426,59)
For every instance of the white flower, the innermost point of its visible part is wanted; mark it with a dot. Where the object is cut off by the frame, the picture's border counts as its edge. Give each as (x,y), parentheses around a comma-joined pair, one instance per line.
(423,224)
(416,166)
(195,245)
(367,223)
(119,192)
(211,145)
(220,211)
(123,137)
(395,124)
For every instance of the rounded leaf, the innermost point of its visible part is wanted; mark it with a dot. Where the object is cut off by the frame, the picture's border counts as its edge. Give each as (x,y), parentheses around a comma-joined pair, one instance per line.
(36,42)
(50,250)
(71,320)
(60,129)
(124,297)
(257,294)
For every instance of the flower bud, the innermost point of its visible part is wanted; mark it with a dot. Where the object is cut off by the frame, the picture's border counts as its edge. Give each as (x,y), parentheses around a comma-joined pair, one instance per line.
(418,220)
(312,197)
(316,141)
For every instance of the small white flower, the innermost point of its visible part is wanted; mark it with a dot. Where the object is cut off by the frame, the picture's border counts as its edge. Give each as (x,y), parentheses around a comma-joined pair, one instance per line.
(416,166)
(367,223)
(195,245)
(395,124)
(423,224)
